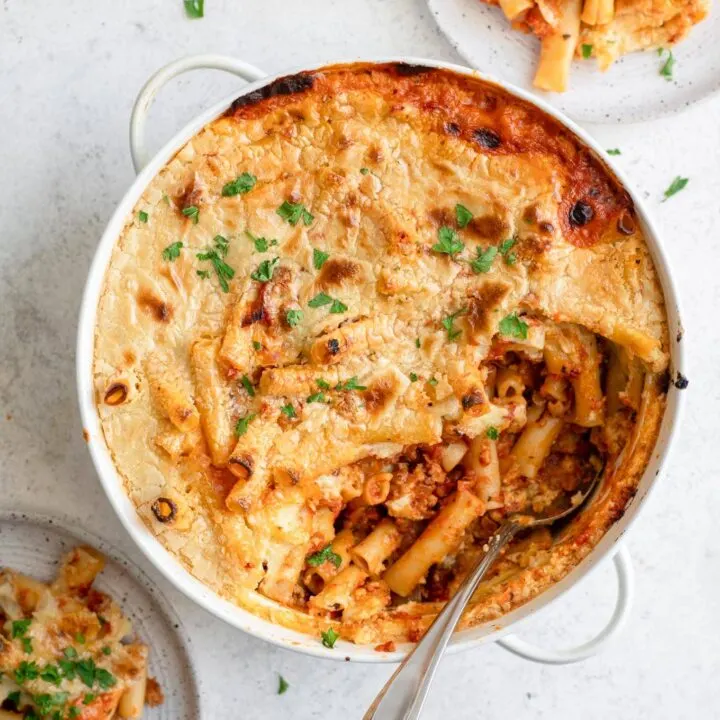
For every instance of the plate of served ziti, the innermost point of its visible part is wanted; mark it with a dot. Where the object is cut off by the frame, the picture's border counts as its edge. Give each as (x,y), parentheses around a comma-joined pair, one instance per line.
(83,634)
(602,61)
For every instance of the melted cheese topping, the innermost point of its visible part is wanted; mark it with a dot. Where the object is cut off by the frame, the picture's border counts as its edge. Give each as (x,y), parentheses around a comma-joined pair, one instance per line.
(240,420)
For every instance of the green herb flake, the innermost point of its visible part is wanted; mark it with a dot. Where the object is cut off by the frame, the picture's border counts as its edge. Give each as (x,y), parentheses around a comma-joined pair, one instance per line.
(195,9)
(283,685)
(240,185)
(80,638)
(26,671)
(351,384)
(668,66)
(338,307)
(316,397)
(143,216)
(492,433)
(70,653)
(241,426)
(172,251)
(105,679)
(587,51)
(192,212)
(448,323)
(294,213)
(413,377)
(510,259)
(265,270)
(462,215)
(433,381)
(106,651)
(484,260)
(614,151)
(329,638)
(257,346)
(245,380)
(27,645)
(223,271)
(88,699)
(322,384)
(506,246)
(204,274)
(288,410)
(294,317)
(20,627)
(319,258)
(67,669)
(51,674)
(74,712)
(513,326)
(364,171)
(261,243)
(448,242)
(222,245)
(13,699)
(676,186)
(319,300)
(417,342)
(326,554)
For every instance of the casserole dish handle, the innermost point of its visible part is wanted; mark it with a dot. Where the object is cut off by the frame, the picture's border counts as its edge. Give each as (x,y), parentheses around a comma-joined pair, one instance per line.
(138,118)
(529,651)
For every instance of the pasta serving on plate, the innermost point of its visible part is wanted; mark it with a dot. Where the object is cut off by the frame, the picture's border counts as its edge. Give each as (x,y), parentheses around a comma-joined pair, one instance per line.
(356,322)
(64,653)
(600,29)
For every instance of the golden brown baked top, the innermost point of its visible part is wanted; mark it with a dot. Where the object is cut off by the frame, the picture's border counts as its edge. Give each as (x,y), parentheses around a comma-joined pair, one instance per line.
(320,289)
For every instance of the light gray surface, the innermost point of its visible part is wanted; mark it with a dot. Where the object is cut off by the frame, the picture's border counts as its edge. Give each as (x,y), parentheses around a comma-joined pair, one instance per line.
(69,72)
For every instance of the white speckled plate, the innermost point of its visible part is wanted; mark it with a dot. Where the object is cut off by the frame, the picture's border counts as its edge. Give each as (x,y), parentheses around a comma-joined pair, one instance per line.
(632,90)
(34,544)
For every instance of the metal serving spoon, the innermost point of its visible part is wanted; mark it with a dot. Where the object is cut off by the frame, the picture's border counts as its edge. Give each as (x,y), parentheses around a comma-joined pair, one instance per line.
(405,692)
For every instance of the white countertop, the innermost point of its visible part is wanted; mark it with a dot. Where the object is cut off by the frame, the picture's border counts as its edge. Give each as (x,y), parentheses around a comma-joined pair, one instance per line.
(69,72)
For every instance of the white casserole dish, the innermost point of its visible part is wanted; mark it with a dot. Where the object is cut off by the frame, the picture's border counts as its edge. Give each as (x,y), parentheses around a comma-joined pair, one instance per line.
(244,620)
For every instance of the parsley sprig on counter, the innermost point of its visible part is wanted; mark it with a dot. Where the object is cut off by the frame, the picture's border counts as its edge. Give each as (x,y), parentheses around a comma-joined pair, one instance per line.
(676,186)
(329,638)
(195,9)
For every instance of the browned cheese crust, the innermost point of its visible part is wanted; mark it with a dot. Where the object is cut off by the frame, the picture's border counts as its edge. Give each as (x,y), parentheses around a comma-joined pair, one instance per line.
(206,396)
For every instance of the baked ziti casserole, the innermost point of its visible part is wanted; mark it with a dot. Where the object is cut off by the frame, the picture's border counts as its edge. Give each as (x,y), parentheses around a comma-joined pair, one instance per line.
(357,321)
(65,652)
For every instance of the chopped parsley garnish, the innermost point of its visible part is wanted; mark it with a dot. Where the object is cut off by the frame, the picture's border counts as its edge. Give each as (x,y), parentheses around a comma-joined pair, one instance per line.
(172,252)
(51,674)
(614,151)
(13,699)
(265,270)
(452,332)
(27,645)
(195,8)
(319,300)
(204,274)
(142,216)
(245,380)
(513,326)
(329,638)
(338,307)
(88,699)
(26,671)
(241,426)
(20,627)
(676,186)
(67,669)
(223,271)
(316,397)
(364,171)
(417,342)
(322,384)
(294,317)
(319,258)
(413,377)
(261,243)
(257,345)
(288,410)
(351,384)
(86,671)
(462,215)
(294,213)
(448,242)
(192,212)
(283,685)
(106,650)
(492,433)
(504,250)
(484,260)
(104,678)
(668,66)
(74,712)
(80,638)
(240,185)
(70,653)
(326,554)
(587,51)
(222,245)
(433,381)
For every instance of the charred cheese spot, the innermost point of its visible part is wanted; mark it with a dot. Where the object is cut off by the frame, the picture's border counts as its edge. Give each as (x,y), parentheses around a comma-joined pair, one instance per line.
(289,85)
(408,70)
(164,510)
(379,395)
(481,306)
(154,306)
(489,227)
(339,271)
(129,357)
(442,217)
(451,128)
(486,138)
(531,246)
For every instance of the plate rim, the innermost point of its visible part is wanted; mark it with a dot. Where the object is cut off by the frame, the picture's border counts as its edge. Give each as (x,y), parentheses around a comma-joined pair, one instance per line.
(68,525)
(666,111)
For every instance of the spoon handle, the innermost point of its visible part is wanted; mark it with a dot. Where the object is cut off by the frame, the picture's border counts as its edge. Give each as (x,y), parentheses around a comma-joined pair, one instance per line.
(404,694)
